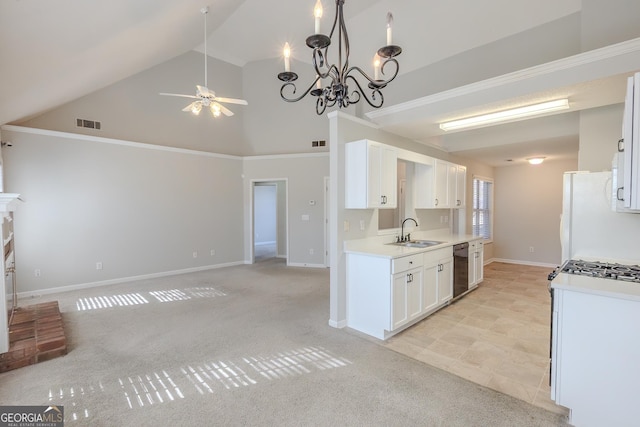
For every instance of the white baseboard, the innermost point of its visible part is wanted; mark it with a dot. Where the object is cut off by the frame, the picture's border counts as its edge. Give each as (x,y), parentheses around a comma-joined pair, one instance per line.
(341,324)
(302,264)
(515,261)
(39,292)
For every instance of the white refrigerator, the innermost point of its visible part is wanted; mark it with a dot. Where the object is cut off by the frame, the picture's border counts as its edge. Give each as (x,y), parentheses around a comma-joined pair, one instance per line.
(590,228)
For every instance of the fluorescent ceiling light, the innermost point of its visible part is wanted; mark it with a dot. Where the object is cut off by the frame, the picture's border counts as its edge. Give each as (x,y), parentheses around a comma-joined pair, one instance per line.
(506,115)
(535,160)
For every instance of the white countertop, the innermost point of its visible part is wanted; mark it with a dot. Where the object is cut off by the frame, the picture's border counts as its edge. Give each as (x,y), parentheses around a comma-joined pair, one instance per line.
(597,286)
(379,247)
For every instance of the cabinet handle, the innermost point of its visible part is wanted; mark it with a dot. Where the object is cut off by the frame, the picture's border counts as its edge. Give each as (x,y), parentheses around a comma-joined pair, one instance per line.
(621,145)
(458,202)
(436,202)
(618,194)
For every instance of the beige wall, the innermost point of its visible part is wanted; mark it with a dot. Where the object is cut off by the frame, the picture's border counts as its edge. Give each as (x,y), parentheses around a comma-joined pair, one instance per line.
(600,130)
(528,203)
(138,209)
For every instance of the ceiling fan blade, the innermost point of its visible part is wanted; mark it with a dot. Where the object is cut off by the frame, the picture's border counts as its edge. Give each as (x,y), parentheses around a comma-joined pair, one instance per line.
(225,111)
(192,107)
(232,100)
(179,94)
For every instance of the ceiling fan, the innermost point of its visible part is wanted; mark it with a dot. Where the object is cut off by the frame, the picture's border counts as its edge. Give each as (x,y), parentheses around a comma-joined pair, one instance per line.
(205,97)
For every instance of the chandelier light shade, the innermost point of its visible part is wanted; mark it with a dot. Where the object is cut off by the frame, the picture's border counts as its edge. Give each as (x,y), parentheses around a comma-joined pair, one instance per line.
(506,115)
(331,85)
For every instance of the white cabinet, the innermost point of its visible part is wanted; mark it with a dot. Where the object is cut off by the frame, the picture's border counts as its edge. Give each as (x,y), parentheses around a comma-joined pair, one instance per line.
(595,353)
(438,278)
(445,280)
(440,185)
(443,194)
(385,296)
(371,170)
(406,297)
(476,263)
(627,177)
(461,186)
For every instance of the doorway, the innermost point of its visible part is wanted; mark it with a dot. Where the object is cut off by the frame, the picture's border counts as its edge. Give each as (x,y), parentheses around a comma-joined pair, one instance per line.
(269,220)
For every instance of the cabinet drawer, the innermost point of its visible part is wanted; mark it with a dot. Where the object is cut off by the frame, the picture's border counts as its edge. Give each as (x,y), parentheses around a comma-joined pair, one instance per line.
(434,256)
(405,263)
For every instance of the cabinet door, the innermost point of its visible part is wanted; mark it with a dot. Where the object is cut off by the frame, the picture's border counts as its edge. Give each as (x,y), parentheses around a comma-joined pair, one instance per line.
(472,264)
(374,171)
(461,184)
(441,184)
(445,280)
(479,262)
(388,177)
(424,186)
(430,287)
(414,293)
(399,313)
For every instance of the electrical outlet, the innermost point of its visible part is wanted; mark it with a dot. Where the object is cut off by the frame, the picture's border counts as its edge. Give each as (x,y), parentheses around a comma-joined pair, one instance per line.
(99,265)
(195,254)
(311,251)
(346,226)
(362,225)
(531,249)
(36,272)
(213,252)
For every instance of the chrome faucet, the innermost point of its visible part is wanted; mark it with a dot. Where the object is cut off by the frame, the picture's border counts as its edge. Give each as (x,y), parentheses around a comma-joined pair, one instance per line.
(406,238)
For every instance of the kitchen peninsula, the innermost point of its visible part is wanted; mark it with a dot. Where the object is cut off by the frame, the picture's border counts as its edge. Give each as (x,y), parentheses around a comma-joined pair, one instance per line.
(391,287)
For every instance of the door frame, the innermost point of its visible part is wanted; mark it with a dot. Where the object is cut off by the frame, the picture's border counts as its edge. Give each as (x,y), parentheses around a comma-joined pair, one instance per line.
(252,185)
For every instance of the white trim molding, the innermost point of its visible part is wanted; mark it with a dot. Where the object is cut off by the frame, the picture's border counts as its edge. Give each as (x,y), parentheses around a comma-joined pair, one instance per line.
(33,294)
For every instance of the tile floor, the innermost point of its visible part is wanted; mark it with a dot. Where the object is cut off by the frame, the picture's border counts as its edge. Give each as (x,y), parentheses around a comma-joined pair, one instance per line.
(496,336)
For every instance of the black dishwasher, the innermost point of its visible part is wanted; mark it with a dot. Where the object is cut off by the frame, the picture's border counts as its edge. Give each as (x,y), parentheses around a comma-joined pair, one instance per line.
(460,269)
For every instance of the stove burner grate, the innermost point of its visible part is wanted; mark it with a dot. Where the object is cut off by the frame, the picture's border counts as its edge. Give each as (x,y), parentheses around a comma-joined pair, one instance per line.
(629,273)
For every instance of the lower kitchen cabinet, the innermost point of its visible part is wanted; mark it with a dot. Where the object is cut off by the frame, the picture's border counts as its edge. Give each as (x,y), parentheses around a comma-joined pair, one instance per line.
(384,295)
(476,263)
(438,277)
(406,297)
(595,351)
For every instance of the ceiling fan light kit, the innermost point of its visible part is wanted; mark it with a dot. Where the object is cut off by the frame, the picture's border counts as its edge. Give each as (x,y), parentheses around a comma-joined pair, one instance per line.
(506,115)
(205,97)
(339,75)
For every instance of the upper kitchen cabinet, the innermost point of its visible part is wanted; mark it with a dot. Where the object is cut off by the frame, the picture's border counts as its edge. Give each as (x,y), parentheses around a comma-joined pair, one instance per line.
(370,175)
(626,176)
(441,185)
(461,186)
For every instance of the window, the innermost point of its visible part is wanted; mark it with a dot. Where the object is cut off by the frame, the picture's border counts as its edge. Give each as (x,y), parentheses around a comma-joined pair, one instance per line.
(482,220)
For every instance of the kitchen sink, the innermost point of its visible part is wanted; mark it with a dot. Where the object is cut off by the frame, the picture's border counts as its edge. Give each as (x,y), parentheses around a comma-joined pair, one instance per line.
(417,243)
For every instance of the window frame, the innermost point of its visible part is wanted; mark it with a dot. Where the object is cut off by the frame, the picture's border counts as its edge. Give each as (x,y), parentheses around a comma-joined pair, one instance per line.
(489,208)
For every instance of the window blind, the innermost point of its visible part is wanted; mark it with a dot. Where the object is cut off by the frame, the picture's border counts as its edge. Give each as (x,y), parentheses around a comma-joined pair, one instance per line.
(482,203)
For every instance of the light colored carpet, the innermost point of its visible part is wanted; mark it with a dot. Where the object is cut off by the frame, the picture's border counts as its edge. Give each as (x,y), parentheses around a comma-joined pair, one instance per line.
(246,345)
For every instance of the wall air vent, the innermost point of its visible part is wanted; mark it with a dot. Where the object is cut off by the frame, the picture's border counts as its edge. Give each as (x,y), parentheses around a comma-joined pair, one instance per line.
(318,143)
(90,124)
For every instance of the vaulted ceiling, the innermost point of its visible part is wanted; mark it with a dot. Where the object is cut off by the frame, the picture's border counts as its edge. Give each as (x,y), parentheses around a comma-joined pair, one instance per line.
(56,51)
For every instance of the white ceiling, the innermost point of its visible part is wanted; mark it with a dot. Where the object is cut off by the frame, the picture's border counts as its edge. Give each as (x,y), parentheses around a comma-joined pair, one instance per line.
(56,51)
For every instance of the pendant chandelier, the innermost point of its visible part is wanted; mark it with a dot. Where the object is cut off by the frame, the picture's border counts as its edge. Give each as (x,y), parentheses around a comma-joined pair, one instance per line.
(338,76)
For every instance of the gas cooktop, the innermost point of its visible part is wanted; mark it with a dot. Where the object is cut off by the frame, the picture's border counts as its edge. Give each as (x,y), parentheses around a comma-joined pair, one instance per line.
(603,270)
